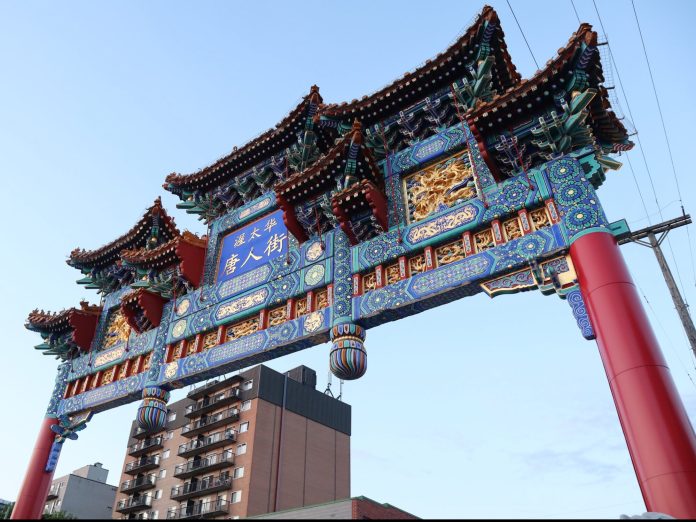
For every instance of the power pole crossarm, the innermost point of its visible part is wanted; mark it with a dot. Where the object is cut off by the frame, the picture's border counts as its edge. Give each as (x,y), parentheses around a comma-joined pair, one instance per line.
(655,235)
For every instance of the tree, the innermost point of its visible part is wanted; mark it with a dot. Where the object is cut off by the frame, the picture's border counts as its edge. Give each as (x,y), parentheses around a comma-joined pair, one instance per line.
(6,510)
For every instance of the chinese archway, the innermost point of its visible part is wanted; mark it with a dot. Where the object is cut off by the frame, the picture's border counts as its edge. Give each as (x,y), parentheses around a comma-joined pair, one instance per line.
(458,178)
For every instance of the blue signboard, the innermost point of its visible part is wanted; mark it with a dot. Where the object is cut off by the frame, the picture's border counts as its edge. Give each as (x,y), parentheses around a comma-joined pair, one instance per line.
(252,245)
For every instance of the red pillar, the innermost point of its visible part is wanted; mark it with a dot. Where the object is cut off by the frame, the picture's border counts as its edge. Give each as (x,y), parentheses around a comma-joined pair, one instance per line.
(660,438)
(32,496)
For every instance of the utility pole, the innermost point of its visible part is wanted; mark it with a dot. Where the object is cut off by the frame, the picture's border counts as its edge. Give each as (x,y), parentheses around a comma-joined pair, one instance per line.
(655,235)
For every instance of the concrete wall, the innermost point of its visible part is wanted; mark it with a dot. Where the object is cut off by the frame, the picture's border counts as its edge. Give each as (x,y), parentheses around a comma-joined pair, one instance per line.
(87,498)
(93,472)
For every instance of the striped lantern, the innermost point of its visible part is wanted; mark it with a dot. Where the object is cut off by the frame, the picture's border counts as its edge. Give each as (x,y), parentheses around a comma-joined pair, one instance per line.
(152,412)
(348,358)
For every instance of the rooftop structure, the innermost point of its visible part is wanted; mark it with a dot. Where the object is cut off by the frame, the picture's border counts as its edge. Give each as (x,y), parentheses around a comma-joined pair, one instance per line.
(83,493)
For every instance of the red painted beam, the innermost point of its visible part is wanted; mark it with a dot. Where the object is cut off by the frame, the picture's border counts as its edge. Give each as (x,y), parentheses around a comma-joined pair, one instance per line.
(660,438)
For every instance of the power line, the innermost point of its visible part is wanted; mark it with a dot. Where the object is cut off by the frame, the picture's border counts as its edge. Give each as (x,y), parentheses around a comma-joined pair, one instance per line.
(669,147)
(630,115)
(640,144)
(523,36)
(657,99)
(664,331)
(576,11)
(640,192)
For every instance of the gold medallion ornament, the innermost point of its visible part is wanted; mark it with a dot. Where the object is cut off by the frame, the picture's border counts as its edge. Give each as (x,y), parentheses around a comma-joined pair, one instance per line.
(314,251)
(314,275)
(183,307)
(170,370)
(179,328)
(314,321)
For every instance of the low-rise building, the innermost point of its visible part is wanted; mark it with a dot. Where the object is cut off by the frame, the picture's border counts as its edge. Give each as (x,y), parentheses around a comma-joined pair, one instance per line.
(83,493)
(356,508)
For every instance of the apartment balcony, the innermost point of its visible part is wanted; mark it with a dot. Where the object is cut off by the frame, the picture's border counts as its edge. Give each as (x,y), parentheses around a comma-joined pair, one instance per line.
(131,504)
(54,491)
(210,442)
(204,510)
(143,515)
(145,445)
(207,464)
(210,422)
(210,403)
(213,386)
(140,433)
(201,487)
(142,464)
(138,484)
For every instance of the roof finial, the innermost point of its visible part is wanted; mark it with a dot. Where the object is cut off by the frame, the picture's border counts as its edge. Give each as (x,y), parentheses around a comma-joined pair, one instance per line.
(356,132)
(314,96)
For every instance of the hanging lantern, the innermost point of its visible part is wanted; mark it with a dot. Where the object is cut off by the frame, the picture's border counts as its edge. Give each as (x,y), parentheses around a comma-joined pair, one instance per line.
(348,358)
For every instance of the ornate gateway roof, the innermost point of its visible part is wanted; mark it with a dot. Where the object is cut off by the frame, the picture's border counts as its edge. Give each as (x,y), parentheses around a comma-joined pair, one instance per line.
(67,331)
(155,223)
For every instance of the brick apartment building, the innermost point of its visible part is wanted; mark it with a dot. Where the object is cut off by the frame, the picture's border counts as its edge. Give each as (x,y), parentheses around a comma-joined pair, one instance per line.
(255,443)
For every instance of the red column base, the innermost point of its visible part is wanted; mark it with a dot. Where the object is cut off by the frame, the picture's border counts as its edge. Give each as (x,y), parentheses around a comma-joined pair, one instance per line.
(37,482)
(660,438)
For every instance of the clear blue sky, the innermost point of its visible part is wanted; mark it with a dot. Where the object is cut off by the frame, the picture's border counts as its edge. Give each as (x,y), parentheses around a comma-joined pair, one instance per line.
(482,408)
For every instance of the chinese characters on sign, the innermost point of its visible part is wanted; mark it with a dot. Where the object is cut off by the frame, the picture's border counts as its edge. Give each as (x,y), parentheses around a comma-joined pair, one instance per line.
(252,245)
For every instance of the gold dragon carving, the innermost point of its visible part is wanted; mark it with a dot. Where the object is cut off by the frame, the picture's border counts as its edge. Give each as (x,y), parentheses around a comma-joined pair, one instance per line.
(445,183)
(117,331)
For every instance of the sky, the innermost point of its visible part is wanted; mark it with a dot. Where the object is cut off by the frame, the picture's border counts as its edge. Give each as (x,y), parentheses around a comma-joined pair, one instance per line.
(481,408)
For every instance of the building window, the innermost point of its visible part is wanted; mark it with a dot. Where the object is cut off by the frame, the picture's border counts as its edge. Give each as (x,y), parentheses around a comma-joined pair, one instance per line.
(158,494)
(170,435)
(248,385)
(171,417)
(238,472)
(165,454)
(163,472)
(155,514)
(241,449)
(236,497)
(246,405)
(171,512)
(244,427)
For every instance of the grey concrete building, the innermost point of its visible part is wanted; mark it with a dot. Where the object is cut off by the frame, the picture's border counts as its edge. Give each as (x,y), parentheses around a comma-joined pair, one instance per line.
(83,493)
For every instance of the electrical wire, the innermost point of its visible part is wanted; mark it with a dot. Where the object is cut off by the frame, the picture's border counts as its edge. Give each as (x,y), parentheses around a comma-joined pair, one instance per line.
(523,36)
(647,168)
(669,150)
(575,11)
(642,149)
(618,76)
(664,331)
(657,100)
(640,192)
